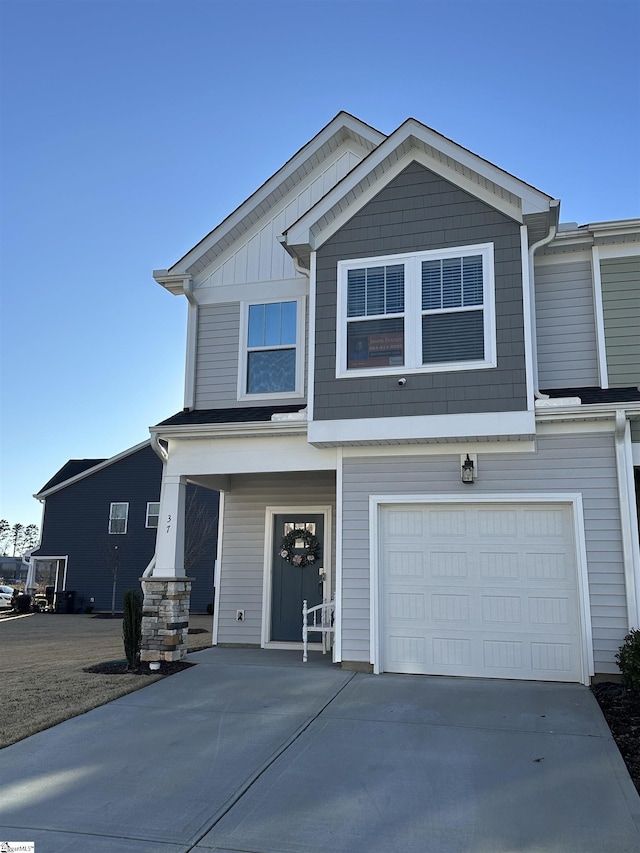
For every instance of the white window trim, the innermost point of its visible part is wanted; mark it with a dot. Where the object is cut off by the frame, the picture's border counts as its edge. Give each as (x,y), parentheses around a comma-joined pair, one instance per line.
(298,391)
(413,309)
(155,514)
(126,518)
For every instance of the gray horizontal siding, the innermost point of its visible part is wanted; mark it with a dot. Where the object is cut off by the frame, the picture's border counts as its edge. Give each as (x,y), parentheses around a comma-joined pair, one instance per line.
(418,211)
(557,466)
(242,563)
(566,330)
(216,381)
(217,357)
(621,306)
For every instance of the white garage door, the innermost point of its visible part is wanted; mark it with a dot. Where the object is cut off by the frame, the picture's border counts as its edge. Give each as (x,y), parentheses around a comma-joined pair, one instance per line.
(484,590)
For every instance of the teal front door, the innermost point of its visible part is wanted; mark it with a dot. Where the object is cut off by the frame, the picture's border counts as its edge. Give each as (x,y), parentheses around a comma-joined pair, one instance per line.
(292,584)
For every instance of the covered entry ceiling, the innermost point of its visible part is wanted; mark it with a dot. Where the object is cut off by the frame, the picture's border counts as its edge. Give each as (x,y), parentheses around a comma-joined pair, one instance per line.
(480,589)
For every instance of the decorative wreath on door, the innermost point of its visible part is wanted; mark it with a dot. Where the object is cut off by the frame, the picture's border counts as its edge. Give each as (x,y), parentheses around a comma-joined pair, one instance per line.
(295,555)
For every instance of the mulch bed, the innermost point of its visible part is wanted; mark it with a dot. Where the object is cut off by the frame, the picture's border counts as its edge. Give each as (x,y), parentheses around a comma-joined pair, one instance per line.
(121,667)
(621,710)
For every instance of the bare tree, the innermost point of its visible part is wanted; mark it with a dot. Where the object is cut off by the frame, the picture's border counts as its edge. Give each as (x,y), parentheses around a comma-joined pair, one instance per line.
(5,535)
(200,531)
(114,549)
(17,537)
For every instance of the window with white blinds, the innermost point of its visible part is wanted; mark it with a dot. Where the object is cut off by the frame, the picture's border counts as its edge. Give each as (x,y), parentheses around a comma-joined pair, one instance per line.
(427,311)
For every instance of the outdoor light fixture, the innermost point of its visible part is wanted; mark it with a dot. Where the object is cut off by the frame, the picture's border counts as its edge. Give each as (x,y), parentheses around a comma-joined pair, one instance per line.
(468,469)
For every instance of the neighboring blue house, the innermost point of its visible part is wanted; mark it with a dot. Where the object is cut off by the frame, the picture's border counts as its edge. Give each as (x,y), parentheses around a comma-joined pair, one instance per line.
(101,518)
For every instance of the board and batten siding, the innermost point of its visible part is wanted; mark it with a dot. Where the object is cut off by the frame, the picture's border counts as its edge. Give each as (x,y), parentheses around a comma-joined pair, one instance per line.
(620,279)
(566,328)
(558,465)
(261,257)
(243,538)
(417,211)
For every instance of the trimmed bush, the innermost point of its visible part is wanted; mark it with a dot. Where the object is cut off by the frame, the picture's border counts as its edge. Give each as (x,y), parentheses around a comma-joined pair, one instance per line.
(628,659)
(132,626)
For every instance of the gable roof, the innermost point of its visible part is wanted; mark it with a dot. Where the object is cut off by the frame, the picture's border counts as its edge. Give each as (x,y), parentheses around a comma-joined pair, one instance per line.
(341,128)
(414,141)
(77,469)
(70,470)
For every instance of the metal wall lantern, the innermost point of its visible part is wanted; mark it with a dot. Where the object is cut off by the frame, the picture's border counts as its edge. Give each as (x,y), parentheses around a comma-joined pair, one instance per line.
(468,469)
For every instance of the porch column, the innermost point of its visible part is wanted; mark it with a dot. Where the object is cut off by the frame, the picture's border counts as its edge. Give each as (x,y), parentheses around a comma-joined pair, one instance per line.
(165,609)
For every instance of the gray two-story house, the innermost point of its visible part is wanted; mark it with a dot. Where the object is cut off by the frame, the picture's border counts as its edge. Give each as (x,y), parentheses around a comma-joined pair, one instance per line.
(417,394)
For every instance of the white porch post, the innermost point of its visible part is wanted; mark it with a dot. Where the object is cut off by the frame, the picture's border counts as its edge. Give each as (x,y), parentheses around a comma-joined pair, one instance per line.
(170,536)
(165,610)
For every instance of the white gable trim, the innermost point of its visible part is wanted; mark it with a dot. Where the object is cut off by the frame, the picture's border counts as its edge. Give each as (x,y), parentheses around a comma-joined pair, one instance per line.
(415,142)
(344,126)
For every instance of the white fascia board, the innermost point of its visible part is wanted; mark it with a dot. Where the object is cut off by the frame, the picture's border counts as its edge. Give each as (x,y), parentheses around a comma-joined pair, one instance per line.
(215,457)
(437,449)
(618,250)
(251,429)
(586,411)
(90,471)
(615,226)
(532,200)
(282,288)
(421,428)
(567,258)
(343,121)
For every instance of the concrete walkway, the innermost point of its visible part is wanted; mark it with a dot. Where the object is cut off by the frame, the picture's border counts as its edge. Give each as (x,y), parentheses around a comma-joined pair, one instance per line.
(252,751)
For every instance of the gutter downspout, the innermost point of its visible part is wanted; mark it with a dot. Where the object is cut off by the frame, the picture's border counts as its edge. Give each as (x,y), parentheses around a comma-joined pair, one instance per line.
(192,332)
(555,207)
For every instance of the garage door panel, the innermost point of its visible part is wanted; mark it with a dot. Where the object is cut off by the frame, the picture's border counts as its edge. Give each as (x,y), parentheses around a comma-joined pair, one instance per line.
(502,607)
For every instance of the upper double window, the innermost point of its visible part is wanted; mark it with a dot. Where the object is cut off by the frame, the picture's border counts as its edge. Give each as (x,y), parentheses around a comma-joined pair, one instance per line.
(429,311)
(270,351)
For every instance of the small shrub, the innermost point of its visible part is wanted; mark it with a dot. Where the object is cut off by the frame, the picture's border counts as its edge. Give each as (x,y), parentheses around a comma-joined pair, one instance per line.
(210,609)
(132,627)
(628,659)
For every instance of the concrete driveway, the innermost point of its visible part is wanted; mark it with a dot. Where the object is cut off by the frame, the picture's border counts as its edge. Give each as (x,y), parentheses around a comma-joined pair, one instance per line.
(253,751)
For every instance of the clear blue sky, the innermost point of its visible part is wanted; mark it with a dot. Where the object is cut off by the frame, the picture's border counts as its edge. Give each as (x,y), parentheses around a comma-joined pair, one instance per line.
(130,128)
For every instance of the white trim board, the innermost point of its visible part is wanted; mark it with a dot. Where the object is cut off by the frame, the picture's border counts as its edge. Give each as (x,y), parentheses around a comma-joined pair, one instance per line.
(422,427)
(574,500)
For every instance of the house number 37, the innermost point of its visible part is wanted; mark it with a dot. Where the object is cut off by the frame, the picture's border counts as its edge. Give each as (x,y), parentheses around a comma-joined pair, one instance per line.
(168,523)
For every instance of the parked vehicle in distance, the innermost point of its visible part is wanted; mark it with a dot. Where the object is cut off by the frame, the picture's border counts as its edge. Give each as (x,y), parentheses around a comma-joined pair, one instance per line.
(6,596)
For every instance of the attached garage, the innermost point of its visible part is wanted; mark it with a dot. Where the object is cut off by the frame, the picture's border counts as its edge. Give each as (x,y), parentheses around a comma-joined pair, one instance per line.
(484,589)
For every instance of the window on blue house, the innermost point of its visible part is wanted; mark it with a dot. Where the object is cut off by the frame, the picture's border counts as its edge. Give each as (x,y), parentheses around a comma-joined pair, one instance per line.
(118,516)
(153,514)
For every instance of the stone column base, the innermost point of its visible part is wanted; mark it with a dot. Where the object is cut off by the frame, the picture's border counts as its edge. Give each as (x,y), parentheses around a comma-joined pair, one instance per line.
(165,618)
